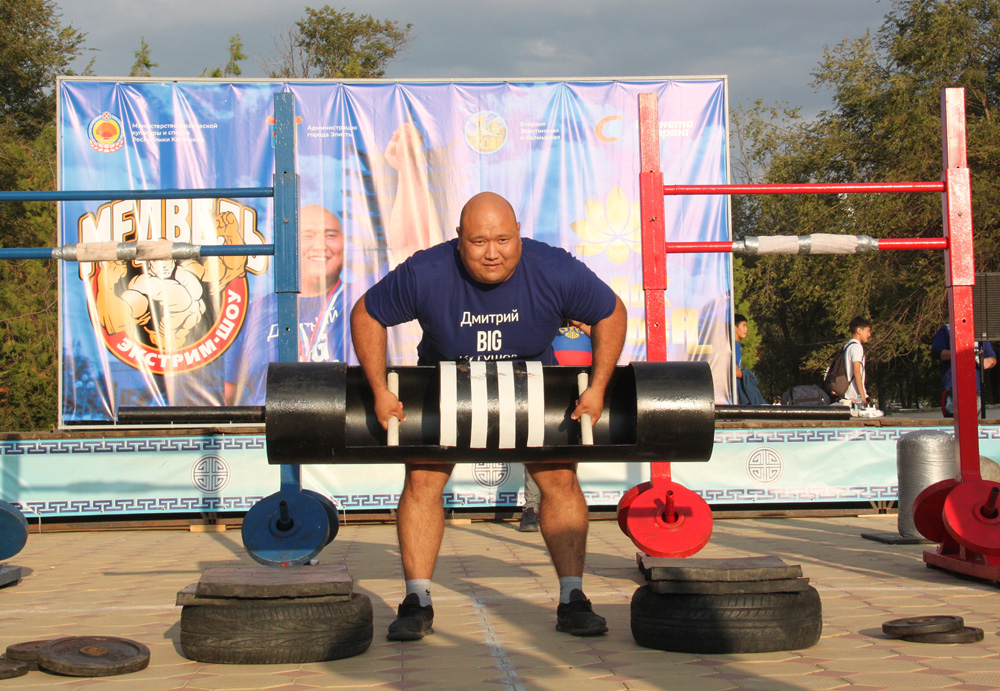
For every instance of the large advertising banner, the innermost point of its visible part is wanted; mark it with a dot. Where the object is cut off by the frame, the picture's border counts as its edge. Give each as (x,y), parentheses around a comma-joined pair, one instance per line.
(384,171)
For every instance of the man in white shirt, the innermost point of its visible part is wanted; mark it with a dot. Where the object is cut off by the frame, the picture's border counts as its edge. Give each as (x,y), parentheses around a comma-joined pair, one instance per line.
(854,361)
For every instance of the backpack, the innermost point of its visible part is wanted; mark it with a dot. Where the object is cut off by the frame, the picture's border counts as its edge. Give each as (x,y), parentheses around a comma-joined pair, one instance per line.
(836,379)
(805,395)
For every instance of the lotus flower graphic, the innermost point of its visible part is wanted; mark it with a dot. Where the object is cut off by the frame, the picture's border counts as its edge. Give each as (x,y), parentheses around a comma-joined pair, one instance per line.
(612,227)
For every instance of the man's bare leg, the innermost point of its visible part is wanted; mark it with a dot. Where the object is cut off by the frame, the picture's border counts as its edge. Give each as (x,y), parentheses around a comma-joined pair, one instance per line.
(564,519)
(419,529)
(420,518)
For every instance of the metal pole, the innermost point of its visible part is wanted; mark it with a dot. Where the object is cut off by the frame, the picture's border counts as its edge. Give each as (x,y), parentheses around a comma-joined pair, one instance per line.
(960,276)
(808,188)
(654,238)
(286,244)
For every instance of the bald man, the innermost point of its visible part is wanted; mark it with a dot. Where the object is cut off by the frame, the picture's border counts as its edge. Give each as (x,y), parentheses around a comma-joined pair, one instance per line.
(321,312)
(489,270)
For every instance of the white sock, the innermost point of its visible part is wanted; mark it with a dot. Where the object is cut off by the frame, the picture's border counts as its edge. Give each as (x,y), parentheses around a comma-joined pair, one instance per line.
(568,584)
(422,587)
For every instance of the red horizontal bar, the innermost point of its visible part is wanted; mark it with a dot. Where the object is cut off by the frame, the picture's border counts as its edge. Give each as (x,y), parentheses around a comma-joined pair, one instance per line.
(883,244)
(833,188)
(698,247)
(913,244)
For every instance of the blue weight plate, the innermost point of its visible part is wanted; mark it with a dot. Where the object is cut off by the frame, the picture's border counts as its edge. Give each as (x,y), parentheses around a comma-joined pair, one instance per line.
(272,541)
(13,530)
(331,512)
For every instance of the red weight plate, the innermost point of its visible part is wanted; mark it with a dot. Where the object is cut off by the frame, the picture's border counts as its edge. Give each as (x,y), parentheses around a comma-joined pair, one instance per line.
(964,519)
(654,534)
(927,508)
(626,501)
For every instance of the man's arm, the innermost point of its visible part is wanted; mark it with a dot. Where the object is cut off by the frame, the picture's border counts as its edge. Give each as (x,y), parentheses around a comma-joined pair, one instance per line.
(413,223)
(369,338)
(859,381)
(607,338)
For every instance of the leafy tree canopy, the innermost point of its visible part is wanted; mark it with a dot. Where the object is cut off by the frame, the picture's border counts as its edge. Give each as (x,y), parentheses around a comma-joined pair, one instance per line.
(884,125)
(337,45)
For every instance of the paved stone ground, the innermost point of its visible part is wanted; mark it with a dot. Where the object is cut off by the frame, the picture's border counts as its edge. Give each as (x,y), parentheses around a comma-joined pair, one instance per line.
(495,596)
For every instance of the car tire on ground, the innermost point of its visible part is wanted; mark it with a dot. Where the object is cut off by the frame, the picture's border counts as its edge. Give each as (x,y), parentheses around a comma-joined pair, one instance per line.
(721,624)
(277,633)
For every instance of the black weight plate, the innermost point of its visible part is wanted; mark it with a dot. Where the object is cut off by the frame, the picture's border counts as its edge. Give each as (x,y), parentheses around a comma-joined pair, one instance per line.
(27,651)
(331,511)
(966,634)
(916,626)
(13,668)
(93,656)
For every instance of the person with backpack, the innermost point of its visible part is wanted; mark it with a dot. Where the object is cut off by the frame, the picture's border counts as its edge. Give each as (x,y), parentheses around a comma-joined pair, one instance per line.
(854,363)
(747,388)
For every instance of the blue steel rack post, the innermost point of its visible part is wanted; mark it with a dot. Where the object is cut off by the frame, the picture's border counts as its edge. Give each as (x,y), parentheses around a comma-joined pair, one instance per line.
(293,525)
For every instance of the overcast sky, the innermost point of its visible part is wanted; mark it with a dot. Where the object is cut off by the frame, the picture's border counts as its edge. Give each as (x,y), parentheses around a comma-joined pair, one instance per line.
(767,48)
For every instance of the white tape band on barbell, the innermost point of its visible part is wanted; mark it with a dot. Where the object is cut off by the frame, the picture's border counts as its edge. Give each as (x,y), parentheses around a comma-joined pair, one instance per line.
(508,405)
(480,404)
(449,398)
(536,404)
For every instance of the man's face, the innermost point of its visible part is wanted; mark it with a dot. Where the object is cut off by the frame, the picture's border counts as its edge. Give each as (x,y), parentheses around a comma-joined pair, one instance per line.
(489,242)
(741,331)
(321,249)
(864,334)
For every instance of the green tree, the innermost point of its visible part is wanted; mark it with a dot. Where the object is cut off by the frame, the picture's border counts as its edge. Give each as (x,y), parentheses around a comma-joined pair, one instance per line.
(232,67)
(143,62)
(337,45)
(884,125)
(34,49)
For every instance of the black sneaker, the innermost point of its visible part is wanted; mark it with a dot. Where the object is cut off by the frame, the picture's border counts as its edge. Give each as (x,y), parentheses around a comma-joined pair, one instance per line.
(412,622)
(577,617)
(529,521)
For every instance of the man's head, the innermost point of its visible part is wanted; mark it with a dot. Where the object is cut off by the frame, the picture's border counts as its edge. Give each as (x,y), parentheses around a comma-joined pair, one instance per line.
(861,329)
(489,238)
(321,250)
(161,268)
(741,327)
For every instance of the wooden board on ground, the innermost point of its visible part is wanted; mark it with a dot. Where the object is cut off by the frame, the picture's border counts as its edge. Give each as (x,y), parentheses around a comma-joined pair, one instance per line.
(263,582)
(784,585)
(189,596)
(716,570)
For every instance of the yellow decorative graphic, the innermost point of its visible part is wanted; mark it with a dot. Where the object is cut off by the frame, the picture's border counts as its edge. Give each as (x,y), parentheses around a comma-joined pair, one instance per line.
(613,228)
(485,132)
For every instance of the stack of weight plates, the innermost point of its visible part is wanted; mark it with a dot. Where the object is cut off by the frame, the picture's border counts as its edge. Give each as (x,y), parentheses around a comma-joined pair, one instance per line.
(718,606)
(268,615)
(75,656)
(933,629)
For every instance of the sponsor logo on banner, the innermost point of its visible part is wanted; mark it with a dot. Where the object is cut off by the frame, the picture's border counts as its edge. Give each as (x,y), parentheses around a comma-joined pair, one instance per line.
(169,316)
(210,474)
(490,474)
(764,465)
(105,132)
(486,132)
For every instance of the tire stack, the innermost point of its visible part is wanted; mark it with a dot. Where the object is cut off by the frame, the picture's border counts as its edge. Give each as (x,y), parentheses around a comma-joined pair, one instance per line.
(722,606)
(268,615)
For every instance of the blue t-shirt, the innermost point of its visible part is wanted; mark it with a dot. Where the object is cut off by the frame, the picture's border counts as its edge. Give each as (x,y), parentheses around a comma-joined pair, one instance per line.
(942,341)
(739,355)
(321,339)
(513,320)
